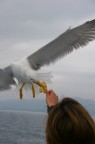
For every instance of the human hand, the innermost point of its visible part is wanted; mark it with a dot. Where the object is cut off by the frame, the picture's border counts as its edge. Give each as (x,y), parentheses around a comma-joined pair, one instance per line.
(51,98)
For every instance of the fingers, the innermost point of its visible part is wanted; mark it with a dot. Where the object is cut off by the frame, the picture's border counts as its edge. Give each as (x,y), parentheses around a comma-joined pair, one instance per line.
(51,98)
(49,92)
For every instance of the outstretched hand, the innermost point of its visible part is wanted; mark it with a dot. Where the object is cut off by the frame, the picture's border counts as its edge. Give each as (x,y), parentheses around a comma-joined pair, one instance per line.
(51,98)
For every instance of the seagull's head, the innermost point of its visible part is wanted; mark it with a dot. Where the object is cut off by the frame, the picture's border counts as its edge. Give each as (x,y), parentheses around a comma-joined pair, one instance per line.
(31,76)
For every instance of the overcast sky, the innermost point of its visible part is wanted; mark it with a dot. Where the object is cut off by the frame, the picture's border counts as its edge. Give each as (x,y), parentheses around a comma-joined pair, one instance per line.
(26,25)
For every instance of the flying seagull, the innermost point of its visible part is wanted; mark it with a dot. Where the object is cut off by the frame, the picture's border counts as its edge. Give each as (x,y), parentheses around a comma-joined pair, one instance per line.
(26,70)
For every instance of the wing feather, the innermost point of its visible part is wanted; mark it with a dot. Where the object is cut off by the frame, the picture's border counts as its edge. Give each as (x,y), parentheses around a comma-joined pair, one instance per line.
(63,45)
(5,80)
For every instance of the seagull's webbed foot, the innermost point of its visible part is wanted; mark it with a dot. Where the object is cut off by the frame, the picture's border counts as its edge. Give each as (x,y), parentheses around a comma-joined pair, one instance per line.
(43,86)
(33,90)
(20,91)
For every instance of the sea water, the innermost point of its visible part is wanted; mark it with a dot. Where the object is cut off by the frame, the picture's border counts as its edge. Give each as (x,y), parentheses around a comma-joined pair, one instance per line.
(22,127)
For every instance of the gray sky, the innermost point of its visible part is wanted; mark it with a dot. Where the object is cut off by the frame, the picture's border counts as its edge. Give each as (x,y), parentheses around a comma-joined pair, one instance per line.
(26,25)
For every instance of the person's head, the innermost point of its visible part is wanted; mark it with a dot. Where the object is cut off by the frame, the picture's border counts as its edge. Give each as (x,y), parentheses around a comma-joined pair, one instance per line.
(70,123)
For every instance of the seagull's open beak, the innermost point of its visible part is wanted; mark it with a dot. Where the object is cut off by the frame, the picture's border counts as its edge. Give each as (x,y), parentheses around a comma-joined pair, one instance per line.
(42,85)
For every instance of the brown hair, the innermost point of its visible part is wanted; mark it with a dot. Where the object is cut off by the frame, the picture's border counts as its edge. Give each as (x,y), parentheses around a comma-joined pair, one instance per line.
(70,123)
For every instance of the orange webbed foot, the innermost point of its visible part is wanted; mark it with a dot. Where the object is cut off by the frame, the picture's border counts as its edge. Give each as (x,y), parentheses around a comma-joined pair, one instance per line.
(20,91)
(33,90)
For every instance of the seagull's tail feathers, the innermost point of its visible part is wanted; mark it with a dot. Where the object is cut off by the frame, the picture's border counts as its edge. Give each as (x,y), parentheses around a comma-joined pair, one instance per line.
(45,76)
(6,81)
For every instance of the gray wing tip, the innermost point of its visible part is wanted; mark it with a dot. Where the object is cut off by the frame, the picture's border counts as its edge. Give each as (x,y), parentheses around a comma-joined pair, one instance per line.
(92,22)
(5,80)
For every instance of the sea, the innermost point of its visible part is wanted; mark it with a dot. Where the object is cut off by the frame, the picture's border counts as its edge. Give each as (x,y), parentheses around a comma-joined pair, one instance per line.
(21,127)
(18,127)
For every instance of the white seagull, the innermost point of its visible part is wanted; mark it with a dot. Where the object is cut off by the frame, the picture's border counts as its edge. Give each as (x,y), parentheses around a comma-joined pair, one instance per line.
(26,70)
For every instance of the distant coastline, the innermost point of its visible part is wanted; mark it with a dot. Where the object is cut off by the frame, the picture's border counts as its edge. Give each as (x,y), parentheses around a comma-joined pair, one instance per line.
(40,105)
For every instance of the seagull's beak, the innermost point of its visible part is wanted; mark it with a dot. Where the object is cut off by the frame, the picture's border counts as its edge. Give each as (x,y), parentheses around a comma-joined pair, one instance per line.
(42,85)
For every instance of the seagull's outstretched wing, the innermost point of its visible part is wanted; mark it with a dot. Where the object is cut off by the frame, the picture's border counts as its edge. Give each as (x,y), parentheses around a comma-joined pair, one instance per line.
(63,45)
(5,80)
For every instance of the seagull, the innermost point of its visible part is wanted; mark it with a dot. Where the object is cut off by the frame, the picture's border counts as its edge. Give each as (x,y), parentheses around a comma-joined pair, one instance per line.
(26,70)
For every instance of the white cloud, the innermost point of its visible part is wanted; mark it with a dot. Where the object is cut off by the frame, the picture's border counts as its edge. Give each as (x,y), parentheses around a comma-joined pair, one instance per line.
(25,26)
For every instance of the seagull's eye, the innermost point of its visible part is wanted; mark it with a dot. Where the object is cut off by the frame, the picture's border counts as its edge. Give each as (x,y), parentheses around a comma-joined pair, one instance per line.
(31,79)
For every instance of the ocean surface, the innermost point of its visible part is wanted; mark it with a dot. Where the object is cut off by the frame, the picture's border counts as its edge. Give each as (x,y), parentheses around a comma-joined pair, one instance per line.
(22,127)
(18,127)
